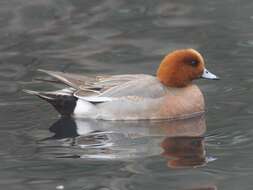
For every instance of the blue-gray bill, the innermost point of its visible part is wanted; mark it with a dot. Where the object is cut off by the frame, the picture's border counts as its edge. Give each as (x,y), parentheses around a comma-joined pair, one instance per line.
(208,75)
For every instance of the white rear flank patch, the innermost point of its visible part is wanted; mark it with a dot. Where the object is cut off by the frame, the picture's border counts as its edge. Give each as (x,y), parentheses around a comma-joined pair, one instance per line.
(83,127)
(96,99)
(85,109)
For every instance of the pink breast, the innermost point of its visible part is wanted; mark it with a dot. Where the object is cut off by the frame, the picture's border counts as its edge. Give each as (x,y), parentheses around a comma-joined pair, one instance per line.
(184,102)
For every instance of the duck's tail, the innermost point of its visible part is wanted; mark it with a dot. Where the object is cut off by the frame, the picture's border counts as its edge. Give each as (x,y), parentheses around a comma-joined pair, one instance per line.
(62,100)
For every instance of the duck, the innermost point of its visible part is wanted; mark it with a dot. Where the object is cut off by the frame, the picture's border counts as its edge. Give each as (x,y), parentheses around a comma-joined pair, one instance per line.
(170,94)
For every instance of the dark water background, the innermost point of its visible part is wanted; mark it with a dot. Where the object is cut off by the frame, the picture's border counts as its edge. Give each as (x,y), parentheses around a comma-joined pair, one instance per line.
(117,36)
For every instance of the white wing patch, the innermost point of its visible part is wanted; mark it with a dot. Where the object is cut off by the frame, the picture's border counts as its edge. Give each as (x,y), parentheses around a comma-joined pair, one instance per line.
(96,99)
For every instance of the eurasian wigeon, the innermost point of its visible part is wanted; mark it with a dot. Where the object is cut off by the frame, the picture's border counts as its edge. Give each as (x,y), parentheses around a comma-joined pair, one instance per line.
(168,95)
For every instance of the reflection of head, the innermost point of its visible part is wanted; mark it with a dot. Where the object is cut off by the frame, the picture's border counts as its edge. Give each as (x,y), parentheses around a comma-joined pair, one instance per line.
(211,187)
(184,151)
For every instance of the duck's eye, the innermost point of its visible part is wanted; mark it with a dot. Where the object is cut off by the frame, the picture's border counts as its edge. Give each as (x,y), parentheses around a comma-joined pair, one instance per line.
(194,63)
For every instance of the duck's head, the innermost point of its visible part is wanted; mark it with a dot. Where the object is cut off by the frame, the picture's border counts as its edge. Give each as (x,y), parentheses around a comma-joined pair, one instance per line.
(180,67)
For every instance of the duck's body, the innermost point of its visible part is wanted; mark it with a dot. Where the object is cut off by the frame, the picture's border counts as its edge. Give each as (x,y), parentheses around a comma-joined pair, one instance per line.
(127,97)
(144,97)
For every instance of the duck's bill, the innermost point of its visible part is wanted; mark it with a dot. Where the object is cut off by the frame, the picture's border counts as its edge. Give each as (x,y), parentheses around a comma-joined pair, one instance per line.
(208,75)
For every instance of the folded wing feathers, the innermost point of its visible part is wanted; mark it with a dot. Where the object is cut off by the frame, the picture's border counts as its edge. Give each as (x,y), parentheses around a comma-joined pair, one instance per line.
(106,87)
(88,88)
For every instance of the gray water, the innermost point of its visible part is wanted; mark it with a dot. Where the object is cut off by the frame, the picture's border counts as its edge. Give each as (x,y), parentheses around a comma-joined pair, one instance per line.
(41,151)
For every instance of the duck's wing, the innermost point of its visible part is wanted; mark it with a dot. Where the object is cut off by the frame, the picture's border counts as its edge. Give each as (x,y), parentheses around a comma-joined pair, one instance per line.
(97,84)
(139,87)
(73,80)
(146,86)
(97,89)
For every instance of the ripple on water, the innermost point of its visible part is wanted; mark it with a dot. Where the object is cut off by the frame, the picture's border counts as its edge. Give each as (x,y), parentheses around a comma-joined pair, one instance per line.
(228,139)
(36,16)
(8,87)
(248,43)
(9,74)
(12,71)
(108,35)
(181,22)
(231,144)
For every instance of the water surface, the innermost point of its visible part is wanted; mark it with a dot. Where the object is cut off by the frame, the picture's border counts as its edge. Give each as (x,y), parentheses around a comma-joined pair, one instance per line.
(41,151)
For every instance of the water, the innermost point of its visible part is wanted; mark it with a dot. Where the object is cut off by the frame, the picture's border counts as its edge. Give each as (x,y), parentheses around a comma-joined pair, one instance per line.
(39,151)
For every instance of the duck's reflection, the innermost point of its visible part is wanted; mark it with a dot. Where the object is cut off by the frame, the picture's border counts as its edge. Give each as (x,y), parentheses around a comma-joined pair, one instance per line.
(64,128)
(181,142)
(211,187)
(184,151)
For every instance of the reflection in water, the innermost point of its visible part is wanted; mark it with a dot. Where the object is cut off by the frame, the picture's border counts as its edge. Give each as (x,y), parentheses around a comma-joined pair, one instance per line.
(184,151)
(181,142)
(203,188)
(112,37)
